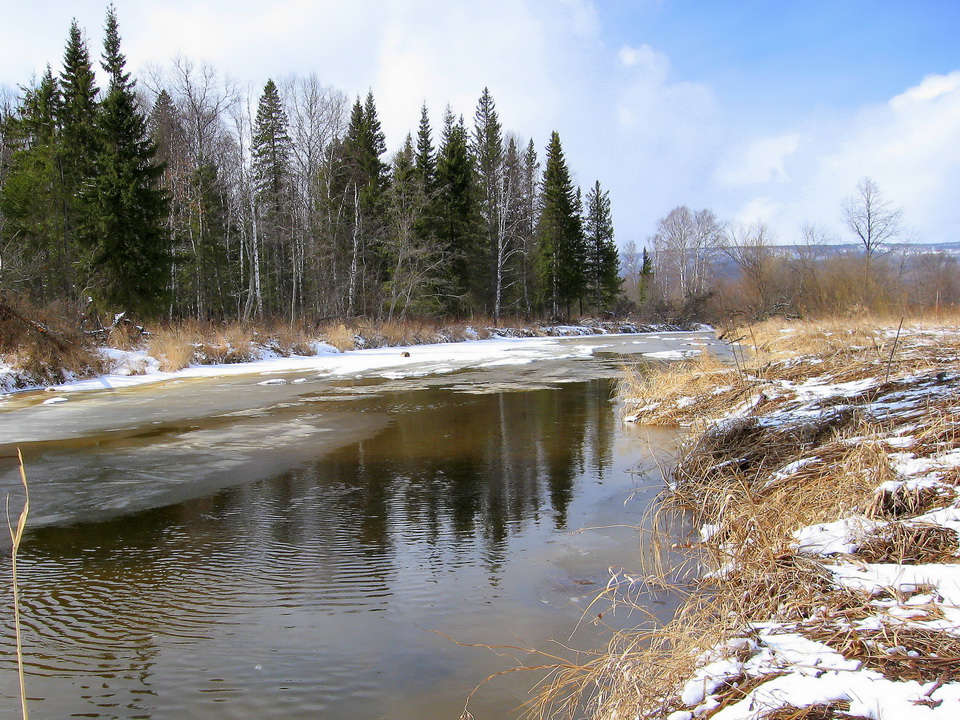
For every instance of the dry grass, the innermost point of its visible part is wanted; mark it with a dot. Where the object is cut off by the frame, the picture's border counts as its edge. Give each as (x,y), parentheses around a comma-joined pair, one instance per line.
(125,336)
(227,344)
(684,391)
(899,652)
(16,537)
(45,345)
(173,346)
(341,337)
(186,343)
(288,339)
(838,710)
(910,544)
(905,501)
(48,347)
(754,482)
(638,670)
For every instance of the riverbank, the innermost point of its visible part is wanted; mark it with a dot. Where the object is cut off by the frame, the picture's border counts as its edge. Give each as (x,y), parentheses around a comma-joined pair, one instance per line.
(38,354)
(821,473)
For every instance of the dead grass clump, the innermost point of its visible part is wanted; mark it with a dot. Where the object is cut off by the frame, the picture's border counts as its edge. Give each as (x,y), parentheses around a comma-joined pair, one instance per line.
(226,344)
(126,336)
(836,710)
(900,652)
(173,346)
(679,392)
(407,332)
(910,544)
(941,429)
(742,453)
(906,501)
(341,337)
(737,689)
(786,587)
(46,346)
(288,339)
(640,673)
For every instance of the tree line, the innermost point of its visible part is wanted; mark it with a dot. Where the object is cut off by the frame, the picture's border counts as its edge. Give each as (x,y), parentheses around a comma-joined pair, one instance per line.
(697,268)
(175,198)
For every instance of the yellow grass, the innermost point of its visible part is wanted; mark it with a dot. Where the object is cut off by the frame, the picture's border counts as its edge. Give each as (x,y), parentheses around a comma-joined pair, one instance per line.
(727,477)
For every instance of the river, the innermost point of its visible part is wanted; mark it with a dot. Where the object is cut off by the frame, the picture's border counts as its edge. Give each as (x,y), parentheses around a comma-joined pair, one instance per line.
(328,546)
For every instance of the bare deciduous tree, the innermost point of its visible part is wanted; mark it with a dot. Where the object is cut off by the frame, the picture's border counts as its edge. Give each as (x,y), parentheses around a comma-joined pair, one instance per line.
(751,247)
(870,217)
(684,247)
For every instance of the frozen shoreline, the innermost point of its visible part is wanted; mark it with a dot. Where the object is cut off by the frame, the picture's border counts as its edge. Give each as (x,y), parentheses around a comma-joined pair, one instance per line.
(893,652)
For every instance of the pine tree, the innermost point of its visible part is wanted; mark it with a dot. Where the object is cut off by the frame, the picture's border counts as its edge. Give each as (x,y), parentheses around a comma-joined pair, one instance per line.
(602,260)
(458,215)
(361,186)
(425,158)
(488,151)
(272,176)
(31,199)
(560,257)
(125,232)
(78,127)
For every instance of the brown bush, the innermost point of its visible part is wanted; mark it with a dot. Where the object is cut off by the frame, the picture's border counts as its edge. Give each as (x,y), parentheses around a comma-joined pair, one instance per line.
(45,345)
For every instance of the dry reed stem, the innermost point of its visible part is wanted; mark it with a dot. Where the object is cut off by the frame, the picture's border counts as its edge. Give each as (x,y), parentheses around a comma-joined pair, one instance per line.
(16,535)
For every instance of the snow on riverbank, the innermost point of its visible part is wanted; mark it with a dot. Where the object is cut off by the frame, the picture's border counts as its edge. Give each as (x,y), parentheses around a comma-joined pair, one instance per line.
(136,367)
(881,638)
(133,368)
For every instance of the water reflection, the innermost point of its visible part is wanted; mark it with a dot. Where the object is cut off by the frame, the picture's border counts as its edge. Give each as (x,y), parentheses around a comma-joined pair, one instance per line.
(304,595)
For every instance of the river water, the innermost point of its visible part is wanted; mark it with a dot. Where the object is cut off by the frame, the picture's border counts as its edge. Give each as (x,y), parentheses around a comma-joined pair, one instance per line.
(324,549)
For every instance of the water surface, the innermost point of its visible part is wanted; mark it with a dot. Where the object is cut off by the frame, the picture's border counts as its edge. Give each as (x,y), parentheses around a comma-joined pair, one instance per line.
(321,553)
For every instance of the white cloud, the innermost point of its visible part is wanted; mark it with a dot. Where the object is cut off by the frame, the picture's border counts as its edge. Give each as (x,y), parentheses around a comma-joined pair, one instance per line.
(760,162)
(653,64)
(910,146)
(447,53)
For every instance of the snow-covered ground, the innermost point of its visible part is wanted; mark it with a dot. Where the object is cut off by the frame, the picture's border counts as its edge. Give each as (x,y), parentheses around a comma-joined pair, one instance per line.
(898,655)
(137,367)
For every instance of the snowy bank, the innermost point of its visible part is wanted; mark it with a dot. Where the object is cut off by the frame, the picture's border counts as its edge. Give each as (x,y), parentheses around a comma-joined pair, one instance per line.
(128,368)
(823,478)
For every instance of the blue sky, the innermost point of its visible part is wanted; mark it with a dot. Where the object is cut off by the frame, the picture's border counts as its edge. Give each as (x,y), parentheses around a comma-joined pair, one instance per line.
(762,111)
(800,53)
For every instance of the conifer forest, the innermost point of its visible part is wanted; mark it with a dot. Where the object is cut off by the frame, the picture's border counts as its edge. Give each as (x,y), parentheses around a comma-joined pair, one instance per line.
(175,196)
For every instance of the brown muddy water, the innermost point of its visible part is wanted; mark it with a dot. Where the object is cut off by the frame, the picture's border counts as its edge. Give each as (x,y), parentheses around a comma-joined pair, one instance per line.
(322,556)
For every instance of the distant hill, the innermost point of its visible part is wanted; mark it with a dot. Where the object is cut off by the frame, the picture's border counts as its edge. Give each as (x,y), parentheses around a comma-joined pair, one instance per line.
(725,267)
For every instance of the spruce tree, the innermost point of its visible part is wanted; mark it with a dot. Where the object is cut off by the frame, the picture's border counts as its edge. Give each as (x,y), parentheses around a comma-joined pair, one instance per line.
(560,256)
(125,233)
(79,137)
(361,185)
(425,157)
(458,215)
(529,201)
(272,177)
(488,153)
(413,260)
(425,167)
(602,260)
(31,199)
(645,283)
